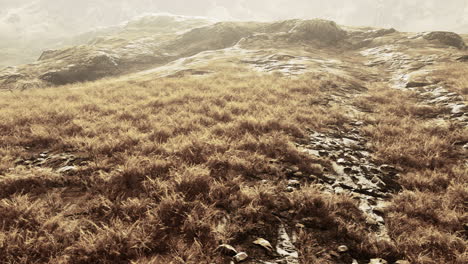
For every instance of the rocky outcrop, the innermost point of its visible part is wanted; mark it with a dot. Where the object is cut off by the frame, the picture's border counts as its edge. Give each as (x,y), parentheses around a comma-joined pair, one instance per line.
(218,36)
(157,40)
(89,69)
(109,56)
(60,162)
(48,54)
(316,30)
(446,38)
(463,58)
(327,32)
(362,38)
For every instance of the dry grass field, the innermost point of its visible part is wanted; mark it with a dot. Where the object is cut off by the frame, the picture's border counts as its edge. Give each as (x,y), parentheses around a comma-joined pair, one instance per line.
(171,168)
(456,78)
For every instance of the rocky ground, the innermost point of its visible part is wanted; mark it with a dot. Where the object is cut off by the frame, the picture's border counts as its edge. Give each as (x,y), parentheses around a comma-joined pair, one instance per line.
(354,172)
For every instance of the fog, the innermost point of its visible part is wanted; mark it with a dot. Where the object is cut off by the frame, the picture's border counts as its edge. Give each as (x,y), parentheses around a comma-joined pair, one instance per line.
(43,23)
(407,15)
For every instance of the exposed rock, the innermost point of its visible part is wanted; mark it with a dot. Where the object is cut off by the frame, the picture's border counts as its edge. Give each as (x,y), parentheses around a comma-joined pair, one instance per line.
(10,77)
(264,244)
(378,261)
(88,69)
(300,226)
(343,249)
(429,92)
(281,26)
(294,183)
(227,250)
(463,58)
(324,31)
(294,168)
(364,38)
(446,38)
(416,84)
(354,172)
(283,63)
(48,54)
(187,72)
(112,55)
(240,257)
(66,169)
(298,174)
(402,262)
(285,247)
(61,162)
(218,36)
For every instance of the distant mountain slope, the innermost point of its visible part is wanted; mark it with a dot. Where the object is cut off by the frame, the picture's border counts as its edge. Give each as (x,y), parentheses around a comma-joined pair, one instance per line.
(33,26)
(156,40)
(29,27)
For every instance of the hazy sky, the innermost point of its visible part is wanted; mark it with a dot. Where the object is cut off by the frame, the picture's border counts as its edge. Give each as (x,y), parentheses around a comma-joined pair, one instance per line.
(35,17)
(404,14)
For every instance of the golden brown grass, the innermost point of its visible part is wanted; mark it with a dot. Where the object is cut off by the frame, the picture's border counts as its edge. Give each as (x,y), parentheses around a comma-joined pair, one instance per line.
(176,167)
(175,170)
(427,220)
(454,76)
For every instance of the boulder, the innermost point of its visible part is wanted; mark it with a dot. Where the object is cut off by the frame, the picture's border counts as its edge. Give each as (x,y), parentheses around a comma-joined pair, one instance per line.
(402,262)
(93,67)
(378,261)
(413,84)
(264,244)
(446,38)
(324,31)
(48,54)
(363,38)
(227,250)
(218,36)
(463,58)
(241,257)
(343,249)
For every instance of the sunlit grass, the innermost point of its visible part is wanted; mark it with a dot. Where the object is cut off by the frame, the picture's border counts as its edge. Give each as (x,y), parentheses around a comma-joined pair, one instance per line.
(178,166)
(427,220)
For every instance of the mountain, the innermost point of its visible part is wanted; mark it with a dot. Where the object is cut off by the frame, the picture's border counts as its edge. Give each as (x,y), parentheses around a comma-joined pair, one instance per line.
(175,139)
(156,40)
(29,27)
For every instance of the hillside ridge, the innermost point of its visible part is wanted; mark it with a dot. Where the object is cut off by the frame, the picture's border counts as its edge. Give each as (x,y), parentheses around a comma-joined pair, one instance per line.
(157,40)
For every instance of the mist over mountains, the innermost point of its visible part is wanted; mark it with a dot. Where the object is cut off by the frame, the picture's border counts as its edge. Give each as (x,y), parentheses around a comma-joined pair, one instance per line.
(32,26)
(416,15)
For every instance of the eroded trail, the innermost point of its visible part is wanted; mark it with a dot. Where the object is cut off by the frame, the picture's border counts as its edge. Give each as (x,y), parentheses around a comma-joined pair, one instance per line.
(354,171)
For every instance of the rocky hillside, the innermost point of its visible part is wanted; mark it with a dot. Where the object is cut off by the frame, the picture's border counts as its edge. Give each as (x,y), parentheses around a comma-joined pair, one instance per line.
(28,27)
(180,140)
(158,40)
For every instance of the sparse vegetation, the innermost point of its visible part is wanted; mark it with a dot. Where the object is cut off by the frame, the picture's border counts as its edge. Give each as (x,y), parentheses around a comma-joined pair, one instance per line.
(455,77)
